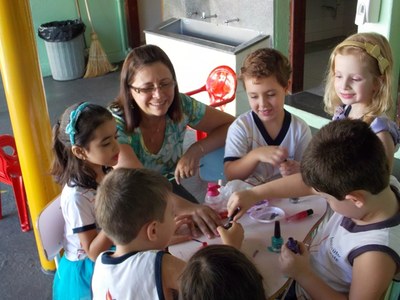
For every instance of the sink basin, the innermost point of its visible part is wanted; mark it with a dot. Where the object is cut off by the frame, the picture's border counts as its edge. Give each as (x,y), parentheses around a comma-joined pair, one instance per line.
(196,47)
(222,37)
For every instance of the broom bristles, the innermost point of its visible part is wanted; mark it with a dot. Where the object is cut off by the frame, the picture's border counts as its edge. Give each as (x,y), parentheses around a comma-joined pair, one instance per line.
(98,63)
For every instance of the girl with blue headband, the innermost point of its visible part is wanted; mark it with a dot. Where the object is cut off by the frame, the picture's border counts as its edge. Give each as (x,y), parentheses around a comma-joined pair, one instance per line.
(85,147)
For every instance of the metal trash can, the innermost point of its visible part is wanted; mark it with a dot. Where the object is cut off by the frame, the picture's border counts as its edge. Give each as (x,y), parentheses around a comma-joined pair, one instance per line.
(65,48)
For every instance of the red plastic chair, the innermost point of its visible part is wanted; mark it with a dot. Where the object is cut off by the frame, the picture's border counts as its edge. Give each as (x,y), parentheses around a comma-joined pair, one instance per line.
(221,87)
(10,173)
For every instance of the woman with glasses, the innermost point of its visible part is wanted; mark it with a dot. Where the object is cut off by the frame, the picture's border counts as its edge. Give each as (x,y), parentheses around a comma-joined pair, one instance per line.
(152,118)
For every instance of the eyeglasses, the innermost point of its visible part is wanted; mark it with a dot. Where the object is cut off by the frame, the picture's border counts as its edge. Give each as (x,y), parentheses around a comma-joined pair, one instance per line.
(150,90)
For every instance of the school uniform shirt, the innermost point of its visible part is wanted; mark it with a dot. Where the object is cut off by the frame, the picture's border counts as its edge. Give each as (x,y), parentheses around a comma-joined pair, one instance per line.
(77,205)
(379,124)
(247,132)
(341,241)
(135,275)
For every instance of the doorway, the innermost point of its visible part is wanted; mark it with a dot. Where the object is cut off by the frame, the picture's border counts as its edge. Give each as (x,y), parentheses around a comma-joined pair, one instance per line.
(316,28)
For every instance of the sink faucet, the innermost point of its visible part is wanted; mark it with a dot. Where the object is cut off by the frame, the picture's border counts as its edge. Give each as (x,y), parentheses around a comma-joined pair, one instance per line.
(227,21)
(204,16)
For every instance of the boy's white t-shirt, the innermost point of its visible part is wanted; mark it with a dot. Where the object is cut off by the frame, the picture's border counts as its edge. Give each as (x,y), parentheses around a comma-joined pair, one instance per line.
(135,275)
(247,133)
(77,205)
(340,241)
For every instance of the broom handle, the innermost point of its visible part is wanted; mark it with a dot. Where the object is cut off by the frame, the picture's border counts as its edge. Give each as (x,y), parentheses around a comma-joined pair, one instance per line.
(88,14)
(78,9)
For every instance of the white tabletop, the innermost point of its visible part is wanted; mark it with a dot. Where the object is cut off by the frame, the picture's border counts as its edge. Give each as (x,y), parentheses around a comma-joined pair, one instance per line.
(257,238)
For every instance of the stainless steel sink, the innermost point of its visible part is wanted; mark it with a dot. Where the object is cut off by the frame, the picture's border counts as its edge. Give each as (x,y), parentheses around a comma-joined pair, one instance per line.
(222,37)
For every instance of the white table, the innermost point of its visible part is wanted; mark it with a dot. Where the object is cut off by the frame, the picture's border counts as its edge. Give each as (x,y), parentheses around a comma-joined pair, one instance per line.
(257,238)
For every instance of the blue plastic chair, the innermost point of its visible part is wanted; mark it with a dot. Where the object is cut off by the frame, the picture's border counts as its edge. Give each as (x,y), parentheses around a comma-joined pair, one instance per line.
(212,165)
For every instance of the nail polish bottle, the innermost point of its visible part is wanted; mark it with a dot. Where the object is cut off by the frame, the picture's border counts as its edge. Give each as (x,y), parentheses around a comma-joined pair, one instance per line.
(292,245)
(276,239)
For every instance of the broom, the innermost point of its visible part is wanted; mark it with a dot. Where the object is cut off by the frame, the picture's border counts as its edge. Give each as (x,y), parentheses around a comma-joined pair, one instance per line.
(98,63)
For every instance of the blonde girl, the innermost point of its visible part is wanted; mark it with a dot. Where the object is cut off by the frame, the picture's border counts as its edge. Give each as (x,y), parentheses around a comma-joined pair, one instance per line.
(359,85)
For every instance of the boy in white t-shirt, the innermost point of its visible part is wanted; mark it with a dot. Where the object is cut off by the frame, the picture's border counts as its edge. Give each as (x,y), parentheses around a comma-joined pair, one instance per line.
(266,142)
(134,207)
(356,254)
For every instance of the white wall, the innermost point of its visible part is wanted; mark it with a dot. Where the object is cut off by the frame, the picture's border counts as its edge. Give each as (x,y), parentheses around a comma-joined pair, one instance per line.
(150,14)
(329,18)
(252,14)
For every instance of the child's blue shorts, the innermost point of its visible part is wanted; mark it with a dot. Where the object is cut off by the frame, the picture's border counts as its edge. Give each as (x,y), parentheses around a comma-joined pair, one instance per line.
(72,280)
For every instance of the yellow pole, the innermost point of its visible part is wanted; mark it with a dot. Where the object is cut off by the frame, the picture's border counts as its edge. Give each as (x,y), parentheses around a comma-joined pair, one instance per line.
(26,102)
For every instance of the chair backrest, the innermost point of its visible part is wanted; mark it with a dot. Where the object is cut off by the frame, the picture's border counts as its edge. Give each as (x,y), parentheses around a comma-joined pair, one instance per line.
(50,226)
(9,163)
(212,165)
(220,85)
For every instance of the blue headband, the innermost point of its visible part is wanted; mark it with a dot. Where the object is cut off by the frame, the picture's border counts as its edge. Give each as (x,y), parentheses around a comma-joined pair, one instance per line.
(73,118)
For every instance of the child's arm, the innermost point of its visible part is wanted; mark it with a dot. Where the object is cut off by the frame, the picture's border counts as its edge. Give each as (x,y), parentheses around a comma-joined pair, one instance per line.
(297,266)
(286,187)
(94,243)
(232,236)
(243,168)
(171,270)
(371,275)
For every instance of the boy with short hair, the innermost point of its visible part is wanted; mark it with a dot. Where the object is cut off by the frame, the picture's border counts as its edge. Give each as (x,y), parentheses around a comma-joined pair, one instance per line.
(134,207)
(356,254)
(266,142)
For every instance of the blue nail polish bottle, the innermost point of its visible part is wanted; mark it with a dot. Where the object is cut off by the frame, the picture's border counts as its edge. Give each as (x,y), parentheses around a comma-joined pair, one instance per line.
(276,239)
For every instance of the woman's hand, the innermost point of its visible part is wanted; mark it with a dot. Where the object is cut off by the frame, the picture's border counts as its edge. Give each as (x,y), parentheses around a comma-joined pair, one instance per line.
(205,220)
(188,164)
(233,236)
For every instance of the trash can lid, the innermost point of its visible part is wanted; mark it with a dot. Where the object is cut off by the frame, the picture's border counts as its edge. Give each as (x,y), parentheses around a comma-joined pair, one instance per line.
(61,31)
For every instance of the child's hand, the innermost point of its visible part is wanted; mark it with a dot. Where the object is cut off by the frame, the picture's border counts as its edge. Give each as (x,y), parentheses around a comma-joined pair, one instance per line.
(289,167)
(294,265)
(273,155)
(183,233)
(243,199)
(232,236)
